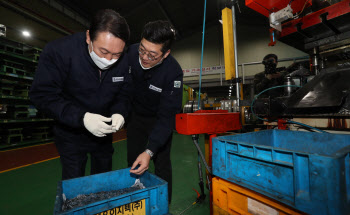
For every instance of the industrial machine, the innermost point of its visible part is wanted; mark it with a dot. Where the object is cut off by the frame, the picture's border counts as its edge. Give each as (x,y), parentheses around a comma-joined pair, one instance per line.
(210,122)
(318,89)
(322,29)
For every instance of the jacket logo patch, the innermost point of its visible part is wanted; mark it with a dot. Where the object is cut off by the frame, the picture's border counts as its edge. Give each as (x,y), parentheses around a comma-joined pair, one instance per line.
(117,79)
(177,84)
(155,88)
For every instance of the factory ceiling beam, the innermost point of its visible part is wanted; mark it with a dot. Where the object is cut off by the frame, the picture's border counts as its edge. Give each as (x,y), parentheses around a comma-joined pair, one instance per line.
(68,12)
(161,7)
(199,28)
(134,9)
(35,16)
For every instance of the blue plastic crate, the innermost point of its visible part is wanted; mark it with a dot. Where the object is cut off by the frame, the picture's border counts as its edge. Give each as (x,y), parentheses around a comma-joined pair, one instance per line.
(153,199)
(308,171)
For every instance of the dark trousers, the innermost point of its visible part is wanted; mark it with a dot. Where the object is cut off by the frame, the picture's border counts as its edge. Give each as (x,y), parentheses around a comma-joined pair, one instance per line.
(73,155)
(138,131)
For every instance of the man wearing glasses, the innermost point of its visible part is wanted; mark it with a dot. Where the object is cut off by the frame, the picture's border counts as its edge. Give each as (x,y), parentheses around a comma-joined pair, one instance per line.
(157,79)
(82,83)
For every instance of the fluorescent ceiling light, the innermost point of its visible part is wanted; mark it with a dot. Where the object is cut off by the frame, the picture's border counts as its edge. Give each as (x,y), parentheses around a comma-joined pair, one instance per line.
(26,33)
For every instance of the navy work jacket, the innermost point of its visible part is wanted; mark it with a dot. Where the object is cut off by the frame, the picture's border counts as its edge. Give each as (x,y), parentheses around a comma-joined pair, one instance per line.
(157,93)
(67,84)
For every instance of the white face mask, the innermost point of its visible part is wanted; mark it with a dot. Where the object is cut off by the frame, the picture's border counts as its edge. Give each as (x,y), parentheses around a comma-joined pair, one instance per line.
(145,68)
(100,62)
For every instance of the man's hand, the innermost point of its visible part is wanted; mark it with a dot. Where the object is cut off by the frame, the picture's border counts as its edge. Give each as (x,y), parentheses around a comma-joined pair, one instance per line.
(95,123)
(274,75)
(142,160)
(117,122)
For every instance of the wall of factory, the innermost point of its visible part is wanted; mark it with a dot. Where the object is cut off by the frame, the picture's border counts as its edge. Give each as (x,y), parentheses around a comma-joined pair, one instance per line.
(252,44)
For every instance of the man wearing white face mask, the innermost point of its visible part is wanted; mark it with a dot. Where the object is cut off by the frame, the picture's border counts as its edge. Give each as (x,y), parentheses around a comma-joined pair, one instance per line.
(83,82)
(157,83)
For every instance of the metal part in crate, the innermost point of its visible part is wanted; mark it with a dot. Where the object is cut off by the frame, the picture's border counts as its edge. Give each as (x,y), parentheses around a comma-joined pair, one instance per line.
(153,198)
(308,171)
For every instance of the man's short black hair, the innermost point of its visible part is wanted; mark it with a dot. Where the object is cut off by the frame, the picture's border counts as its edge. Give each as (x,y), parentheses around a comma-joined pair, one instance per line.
(107,20)
(159,32)
(270,56)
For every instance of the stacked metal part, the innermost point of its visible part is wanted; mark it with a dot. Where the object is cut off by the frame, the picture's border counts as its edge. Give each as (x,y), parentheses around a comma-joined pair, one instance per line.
(192,106)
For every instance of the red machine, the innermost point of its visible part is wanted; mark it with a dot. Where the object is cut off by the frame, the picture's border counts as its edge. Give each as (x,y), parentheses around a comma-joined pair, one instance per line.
(314,23)
(266,7)
(206,122)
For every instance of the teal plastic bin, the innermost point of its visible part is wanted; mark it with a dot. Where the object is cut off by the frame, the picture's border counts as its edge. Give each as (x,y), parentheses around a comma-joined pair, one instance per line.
(153,200)
(308,171)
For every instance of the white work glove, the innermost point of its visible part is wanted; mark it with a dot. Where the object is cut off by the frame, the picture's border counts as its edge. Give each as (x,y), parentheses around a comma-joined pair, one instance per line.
(95,123)
(117,122)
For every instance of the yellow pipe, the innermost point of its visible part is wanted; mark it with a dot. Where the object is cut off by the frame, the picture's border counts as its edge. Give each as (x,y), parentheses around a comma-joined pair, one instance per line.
(228,44)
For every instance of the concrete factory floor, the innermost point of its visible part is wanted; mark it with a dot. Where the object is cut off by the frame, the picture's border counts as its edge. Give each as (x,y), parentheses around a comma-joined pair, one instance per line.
(32,189)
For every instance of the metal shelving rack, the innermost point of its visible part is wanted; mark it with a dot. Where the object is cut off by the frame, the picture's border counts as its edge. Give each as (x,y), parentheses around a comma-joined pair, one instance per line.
(20,123)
